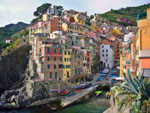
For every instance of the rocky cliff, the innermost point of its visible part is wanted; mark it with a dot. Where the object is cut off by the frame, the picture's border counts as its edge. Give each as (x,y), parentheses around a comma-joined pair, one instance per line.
(13,66)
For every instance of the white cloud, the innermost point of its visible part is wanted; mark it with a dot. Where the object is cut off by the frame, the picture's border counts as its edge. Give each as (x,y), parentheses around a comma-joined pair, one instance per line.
(12,11)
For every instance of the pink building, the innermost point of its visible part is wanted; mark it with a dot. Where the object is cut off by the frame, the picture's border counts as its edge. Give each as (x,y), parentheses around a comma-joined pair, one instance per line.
(87,61)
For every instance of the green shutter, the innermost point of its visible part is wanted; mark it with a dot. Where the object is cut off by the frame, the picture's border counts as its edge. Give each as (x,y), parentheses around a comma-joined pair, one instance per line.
(50,75)
(55,75)
(48,50)
(55,50)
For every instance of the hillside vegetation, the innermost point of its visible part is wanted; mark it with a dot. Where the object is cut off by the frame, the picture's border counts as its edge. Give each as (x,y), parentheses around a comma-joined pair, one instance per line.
(128,12)
(11,29)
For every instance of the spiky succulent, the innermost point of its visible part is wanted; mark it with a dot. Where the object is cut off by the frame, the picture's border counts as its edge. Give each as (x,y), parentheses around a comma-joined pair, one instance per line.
(137,88)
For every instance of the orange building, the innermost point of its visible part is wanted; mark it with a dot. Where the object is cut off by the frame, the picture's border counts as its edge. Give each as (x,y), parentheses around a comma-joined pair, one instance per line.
(128,56)
(54,24)
(144,44)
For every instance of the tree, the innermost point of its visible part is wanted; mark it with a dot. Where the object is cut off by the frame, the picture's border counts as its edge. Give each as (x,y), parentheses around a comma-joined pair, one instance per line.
(91,17)
(40,10)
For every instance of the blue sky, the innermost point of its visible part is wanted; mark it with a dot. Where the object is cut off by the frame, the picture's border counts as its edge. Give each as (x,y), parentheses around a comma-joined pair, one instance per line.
(12,11)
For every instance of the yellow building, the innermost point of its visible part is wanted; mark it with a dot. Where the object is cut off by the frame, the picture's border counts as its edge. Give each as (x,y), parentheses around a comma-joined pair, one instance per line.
(73,27)
(45,17)
(144,44)
(79,18)
(144,32)
(121,65)
(67,64)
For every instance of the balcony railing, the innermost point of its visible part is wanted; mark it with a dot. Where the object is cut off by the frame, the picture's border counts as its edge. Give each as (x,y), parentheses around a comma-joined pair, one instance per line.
(145,53)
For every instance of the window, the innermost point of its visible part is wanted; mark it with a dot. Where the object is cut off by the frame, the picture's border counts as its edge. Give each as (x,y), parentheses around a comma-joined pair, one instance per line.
(106,54)
(55,75)
(54,66)
(102,46)
(64,59)
(55,50)
(48,58)
(106,60)
(60,50)
(50,75)
(106,50)
(60,66)
(67,74)
(48,50)
(60,58)
(103,55)
(55,58)
(40,51)
(68,53)
(88,59)
(48,66)
(103,50)
(75,56)
(65,52)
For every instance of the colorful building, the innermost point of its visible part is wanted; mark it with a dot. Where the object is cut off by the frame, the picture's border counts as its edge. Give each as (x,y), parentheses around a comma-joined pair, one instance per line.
(128,55)
(76,63)
(48,57)
(67,64)
(87,61)
(144,44)
(54,24)
(80,18)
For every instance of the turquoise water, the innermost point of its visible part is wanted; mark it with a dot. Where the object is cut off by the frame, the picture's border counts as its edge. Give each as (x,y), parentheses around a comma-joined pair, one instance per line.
(84,108)
(91,106)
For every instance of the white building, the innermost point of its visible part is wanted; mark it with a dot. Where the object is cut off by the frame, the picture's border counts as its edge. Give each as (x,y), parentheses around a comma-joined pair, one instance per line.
(107,55)
(8,41)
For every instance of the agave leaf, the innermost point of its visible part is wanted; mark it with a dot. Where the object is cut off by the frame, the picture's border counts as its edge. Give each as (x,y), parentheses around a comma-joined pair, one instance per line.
(130,83)
(122,103)
(126,93)
(138,97)
(134,106)
(138,104)
(133,82)
(125,77)
(123,84)
(130,89)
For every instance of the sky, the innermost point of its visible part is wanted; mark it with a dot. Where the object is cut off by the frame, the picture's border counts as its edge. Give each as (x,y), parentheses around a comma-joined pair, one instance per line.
(13,11)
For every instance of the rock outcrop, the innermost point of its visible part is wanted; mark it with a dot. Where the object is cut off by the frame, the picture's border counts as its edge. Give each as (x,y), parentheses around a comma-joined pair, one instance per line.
(13,66)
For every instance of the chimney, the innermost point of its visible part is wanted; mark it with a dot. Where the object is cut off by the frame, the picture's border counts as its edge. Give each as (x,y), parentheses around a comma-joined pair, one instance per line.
(148,13)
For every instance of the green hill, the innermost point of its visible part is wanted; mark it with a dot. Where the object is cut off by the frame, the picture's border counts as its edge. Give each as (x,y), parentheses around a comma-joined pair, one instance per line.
(128,12)
(9,30)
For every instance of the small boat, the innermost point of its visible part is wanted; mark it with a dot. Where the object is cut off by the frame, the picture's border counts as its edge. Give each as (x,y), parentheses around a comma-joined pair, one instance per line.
(65,92)
(108,94)
(70,94)
(53,108)
(98,93)
(77,91)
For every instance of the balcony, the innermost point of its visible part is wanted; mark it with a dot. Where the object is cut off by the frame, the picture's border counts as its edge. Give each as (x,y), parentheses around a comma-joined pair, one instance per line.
(145,53)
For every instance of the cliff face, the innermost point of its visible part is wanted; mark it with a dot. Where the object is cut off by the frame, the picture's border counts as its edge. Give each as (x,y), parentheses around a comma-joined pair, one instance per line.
(12,66)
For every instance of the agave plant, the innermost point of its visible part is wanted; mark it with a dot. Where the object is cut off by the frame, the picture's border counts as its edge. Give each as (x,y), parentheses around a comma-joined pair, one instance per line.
(136,90)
